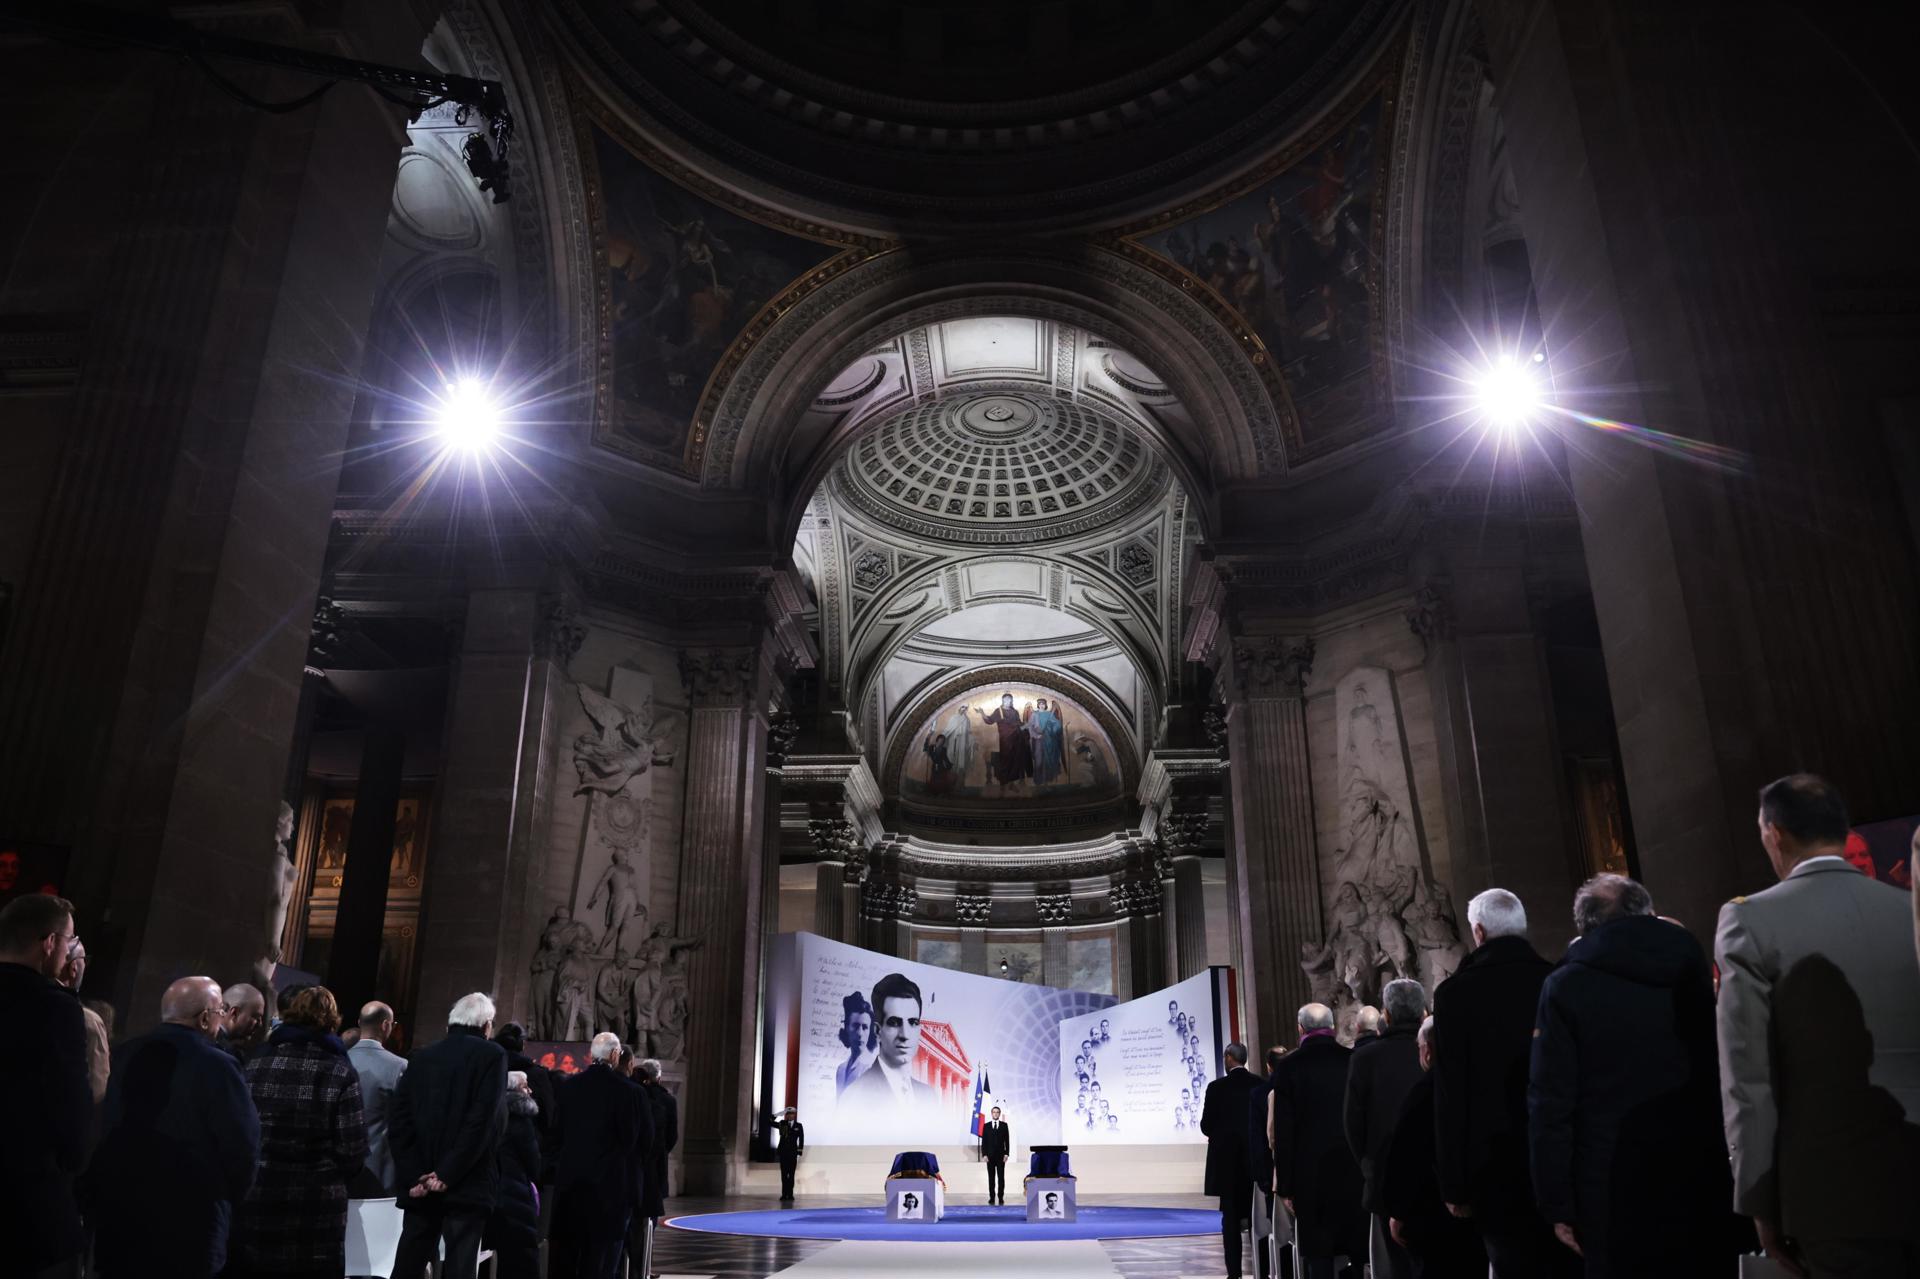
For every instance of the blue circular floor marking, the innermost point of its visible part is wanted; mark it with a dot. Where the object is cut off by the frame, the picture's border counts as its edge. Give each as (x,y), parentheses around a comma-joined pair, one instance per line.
(976,1222)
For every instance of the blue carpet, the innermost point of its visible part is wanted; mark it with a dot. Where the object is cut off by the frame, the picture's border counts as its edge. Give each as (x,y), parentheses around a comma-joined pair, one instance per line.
(963,1222)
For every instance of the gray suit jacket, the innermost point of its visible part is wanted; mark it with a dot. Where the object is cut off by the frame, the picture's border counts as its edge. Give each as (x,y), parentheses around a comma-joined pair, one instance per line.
(1819,1021)
(379,1071)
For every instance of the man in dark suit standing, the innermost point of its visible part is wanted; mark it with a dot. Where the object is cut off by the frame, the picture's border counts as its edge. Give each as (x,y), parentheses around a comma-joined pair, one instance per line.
(182,1139)
(1224,1119)
(448,1113)
(1442,1245)
(1378,1080)
(1260,1164)
(605,1132)
(996,1143)
(1483,1019)
(48,1111)
(793,1144)
(1313,1169)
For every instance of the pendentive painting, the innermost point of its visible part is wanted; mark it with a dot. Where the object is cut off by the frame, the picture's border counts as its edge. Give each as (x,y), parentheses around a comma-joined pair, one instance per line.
(684,277)
(1293,257)
(1017,742)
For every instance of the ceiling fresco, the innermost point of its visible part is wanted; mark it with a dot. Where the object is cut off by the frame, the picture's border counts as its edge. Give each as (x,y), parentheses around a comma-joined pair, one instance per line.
(1291,258)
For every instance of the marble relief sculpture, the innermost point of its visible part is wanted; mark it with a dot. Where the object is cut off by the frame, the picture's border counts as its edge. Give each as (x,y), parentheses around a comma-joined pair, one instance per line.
(1385,917)
(623,744)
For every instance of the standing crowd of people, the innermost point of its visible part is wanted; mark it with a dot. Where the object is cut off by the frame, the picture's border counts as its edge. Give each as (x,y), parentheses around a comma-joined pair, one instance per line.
(227,1142)
(1637,1109)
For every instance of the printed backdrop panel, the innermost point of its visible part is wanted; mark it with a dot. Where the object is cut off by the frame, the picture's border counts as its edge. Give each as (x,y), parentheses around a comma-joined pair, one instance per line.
(1136,1074)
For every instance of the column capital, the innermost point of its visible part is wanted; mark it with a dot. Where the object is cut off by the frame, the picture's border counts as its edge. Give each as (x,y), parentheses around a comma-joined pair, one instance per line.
(729,677)
(1266,666)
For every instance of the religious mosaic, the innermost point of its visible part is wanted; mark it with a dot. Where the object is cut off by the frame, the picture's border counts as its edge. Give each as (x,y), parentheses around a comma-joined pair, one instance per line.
(1013,743)
(1295,258)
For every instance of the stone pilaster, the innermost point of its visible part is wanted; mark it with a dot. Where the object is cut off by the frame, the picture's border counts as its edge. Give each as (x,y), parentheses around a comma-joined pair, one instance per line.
(464,914)
(721,904)
(1273,867)
(1493,711)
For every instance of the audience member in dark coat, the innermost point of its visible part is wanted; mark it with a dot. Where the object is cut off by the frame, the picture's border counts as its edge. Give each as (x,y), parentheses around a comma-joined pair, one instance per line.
(1225,1119)
(605,1137)
(313,1140)
(1442,1245)
(1483,1028)
(182,1139)
(1378,1079)
(512,1038)
(513,1228)
(1629,1154)
(46,1106)
(449,1111)
(1315,1172)
(1260,1163)
(665,1110)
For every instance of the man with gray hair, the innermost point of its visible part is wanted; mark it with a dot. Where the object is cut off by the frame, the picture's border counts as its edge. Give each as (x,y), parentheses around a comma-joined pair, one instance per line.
(1366,1025)
(1442,1245)
(1629,1157)
(605,1133)
(1483,1040)
(1379,1078)
(449,1111)
(1313,1171)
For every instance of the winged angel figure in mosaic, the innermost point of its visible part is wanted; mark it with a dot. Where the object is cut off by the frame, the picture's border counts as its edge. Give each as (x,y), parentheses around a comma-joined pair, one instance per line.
(623,745)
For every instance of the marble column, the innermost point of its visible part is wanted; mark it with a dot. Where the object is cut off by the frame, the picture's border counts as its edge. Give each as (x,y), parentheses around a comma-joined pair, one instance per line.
(1273,866)
(353,963)
(829,900)
(463,905)
(1761,615)
(721,902)
(1189,910)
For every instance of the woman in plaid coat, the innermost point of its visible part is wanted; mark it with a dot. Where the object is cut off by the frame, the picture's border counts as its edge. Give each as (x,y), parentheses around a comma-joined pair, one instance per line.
(313,1138)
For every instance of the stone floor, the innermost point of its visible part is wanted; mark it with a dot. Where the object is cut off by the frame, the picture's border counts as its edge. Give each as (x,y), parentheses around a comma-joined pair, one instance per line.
(686,1253)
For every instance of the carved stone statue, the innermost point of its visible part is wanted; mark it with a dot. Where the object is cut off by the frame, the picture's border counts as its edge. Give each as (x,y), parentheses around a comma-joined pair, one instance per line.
(669,1036)
(613,996)
(562,933)
(1317,962)
(280,887)
(573,987)
(662,953)
(623,744)
(1385,905)
(620,889)
(1441,950)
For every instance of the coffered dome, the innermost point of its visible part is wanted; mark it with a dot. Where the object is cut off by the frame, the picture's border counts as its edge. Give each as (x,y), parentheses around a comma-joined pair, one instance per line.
(1000,467)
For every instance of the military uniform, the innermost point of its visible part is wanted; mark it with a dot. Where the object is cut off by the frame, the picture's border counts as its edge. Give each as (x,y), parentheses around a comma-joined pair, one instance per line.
(1819,1030)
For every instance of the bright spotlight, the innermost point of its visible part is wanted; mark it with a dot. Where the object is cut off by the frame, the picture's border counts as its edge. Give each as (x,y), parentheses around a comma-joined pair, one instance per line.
(1508,393)
(468,417)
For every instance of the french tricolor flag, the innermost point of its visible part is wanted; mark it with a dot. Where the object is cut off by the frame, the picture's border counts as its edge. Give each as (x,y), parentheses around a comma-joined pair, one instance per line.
(982,1089)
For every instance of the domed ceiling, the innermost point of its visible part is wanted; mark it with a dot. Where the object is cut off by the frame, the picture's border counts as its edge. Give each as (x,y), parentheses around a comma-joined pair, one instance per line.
(1003,467)
(914,109)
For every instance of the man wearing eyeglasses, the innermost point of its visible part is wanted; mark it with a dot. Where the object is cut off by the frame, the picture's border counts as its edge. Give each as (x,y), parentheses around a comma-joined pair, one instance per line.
(888,1085)
(46,1108)
(182,1141)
